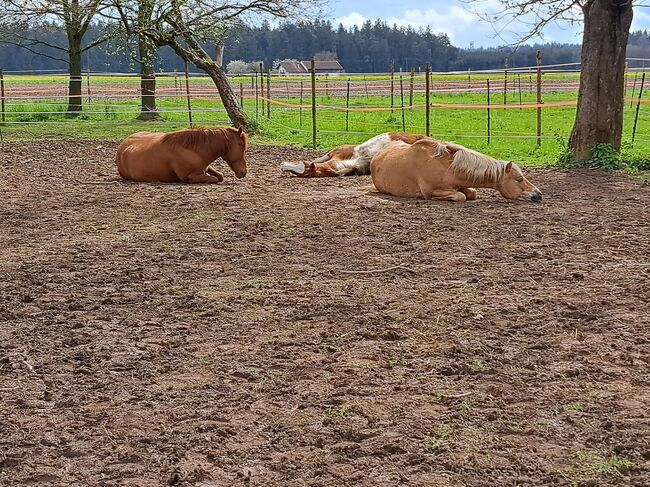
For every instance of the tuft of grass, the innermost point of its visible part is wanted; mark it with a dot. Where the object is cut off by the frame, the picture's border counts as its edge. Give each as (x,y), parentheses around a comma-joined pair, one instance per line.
(436,441)
(574,407)
(435,398)
(340,412)
(477,365)
(466,404)
(598,464)
(397,362)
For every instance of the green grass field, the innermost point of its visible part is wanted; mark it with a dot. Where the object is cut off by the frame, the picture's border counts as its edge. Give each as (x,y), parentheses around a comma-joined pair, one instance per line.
(512,134)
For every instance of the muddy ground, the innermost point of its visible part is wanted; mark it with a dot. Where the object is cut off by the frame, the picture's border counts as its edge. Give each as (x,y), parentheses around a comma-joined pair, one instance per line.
(218,335)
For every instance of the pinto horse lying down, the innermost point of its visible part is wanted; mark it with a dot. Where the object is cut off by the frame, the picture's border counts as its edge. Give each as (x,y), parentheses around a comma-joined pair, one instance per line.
(182,156)
(346,160)
(420,167)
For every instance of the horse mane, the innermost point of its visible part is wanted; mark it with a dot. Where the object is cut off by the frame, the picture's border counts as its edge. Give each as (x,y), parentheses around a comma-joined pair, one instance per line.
(475,166)
(203,138)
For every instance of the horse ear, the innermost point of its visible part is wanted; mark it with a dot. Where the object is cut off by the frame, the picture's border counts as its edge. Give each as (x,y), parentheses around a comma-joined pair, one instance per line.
(240,130)
(509,167)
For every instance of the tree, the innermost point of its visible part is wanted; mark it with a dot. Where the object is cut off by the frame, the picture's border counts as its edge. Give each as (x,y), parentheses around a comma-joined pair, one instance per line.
(184,24)
(134,26)
(75,17)
(599,116)
(238,67)
(147,52)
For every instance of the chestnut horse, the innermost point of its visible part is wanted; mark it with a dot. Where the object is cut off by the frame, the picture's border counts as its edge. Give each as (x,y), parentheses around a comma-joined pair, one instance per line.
(346,160)
(432,169)
(182,156)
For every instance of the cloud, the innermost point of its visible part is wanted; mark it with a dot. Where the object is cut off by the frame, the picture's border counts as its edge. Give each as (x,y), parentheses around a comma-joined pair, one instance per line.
(350,20)
(451,21)
(464,26)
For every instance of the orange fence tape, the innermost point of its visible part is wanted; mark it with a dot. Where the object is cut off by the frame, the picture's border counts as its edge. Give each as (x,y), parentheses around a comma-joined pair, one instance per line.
(555,104)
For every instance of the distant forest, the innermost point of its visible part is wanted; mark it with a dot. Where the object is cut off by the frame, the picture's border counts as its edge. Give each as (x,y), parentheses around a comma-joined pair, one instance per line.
(369,48)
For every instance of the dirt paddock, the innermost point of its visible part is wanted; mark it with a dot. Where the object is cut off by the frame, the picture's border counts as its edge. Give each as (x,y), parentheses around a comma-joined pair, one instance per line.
(230,335)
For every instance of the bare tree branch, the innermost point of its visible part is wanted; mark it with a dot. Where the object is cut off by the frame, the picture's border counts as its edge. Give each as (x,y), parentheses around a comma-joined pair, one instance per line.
(33,51)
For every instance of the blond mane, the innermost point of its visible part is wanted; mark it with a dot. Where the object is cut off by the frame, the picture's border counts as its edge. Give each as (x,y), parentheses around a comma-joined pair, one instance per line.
(475,166)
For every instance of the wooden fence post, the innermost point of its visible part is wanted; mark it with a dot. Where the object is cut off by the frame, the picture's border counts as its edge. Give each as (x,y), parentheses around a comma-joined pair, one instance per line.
(392,86)
(313,103)
(539,97)
(261,83)
(519,82)
(427,109)
(241,95)
(2,95)
(411,89)
(505,82)
(257,98)
(636,74)
(347,107)
(401,94)
(638,105)
(268,93)
(88,84)
(488,111)
(187,91)
(300,109)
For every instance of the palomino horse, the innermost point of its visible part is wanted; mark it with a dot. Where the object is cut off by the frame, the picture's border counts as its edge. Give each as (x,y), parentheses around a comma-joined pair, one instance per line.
(348,159)
(184,155)
(432,169)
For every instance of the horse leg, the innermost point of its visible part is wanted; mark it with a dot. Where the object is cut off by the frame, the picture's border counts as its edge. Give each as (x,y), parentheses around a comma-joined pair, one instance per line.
(444,195)
(201,178)
(470,193)
(358,166)
(213,172)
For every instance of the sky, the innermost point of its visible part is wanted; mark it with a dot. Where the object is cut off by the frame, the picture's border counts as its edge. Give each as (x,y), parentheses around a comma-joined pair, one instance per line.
(458,20)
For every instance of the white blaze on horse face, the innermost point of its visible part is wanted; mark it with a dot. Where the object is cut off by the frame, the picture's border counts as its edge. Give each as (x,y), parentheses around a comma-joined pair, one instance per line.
(294,167)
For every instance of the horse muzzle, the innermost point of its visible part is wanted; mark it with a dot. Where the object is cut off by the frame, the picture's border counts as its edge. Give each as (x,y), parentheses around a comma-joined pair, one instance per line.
(534,195)
(240,174)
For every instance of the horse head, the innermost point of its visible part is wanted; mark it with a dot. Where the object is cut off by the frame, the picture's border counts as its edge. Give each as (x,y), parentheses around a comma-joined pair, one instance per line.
(301,169)
(235,154)
(514,185)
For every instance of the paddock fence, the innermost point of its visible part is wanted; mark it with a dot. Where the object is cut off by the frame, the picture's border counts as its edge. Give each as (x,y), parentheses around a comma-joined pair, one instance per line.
(510,103)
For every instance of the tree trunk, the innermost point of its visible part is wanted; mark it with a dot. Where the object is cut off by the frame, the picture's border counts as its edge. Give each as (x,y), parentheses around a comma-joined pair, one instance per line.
(235,112)
(599,117)
(197,56)
(74,82)
(218,53)
(147,52)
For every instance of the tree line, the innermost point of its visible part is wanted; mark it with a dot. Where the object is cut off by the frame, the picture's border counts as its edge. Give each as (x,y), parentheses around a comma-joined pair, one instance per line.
(369,48)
